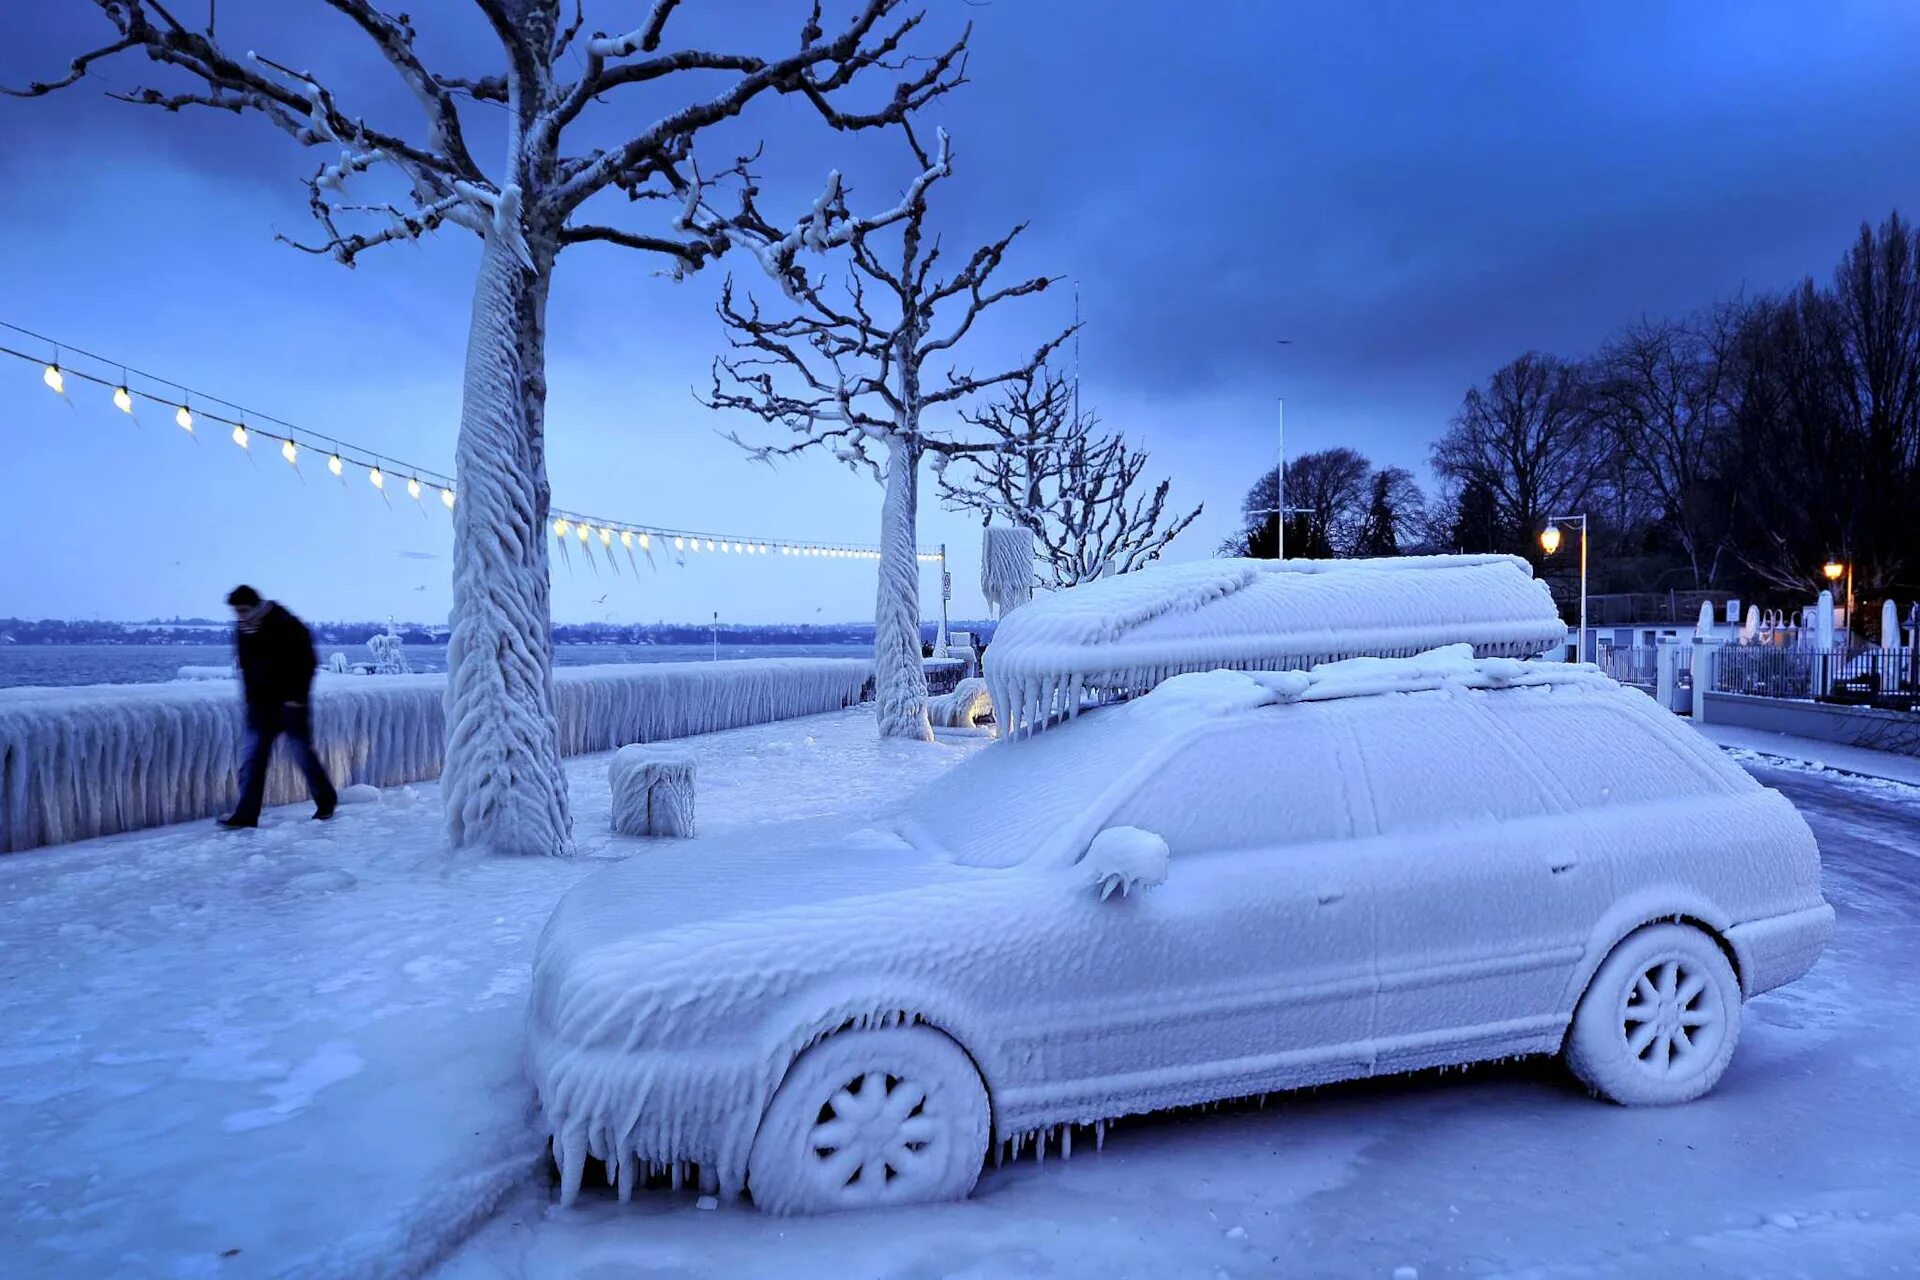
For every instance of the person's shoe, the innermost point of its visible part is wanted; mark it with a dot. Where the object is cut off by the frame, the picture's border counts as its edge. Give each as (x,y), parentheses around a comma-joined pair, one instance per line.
(321,812)
(233,821)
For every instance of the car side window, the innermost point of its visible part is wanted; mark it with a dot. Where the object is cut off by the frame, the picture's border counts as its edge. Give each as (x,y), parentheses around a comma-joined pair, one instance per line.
(1600,754)
(1432,764)
(1270,779)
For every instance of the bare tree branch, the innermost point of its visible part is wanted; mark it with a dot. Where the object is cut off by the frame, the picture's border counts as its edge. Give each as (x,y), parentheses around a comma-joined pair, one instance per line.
(1078,491)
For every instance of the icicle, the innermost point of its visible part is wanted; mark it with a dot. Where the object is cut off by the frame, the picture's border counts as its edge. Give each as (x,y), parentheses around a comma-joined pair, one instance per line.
(1099,1135)
(676,1175)
(1066,1142)
(571,1151)
(628,1171)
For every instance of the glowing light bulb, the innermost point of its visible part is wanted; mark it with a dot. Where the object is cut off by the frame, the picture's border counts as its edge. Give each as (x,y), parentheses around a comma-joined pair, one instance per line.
(584,530)
(723,548)
(375,479)
(560,528)
(606,537)
(645,542)
(289,451)
(240,435)
(446,499)
(333,464)
(679,544)
(123,400)
(55,379)
(709,544)
(626,539)
(184,416)
(413,488)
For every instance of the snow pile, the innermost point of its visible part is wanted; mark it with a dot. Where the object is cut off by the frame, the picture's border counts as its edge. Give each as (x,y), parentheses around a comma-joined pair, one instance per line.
(204,673)
(94,760)
(1121,636)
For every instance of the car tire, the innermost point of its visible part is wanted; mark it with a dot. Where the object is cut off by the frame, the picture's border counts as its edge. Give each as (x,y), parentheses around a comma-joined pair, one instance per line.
(1660,1019)
(869,1118)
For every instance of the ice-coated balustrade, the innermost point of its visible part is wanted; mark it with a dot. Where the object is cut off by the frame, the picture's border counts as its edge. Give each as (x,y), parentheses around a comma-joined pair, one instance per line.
(90,761)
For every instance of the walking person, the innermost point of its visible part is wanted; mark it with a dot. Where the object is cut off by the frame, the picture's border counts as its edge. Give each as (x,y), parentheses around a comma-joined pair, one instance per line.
(277,663)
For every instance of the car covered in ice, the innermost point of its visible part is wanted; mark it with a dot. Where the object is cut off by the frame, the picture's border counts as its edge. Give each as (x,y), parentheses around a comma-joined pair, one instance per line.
(1239,882)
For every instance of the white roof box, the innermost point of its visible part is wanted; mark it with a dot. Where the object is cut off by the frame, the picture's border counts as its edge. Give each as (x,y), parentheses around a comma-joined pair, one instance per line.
(1121,636)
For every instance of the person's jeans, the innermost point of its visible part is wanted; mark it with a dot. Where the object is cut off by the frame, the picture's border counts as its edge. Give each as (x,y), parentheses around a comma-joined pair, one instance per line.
(264,724)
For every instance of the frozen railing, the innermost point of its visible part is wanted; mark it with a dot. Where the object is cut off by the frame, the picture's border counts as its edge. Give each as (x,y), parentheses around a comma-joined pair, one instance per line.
(77,763)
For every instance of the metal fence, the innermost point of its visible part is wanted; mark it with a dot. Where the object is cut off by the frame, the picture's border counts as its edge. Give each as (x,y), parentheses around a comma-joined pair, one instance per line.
(1876,677)
(1629,665)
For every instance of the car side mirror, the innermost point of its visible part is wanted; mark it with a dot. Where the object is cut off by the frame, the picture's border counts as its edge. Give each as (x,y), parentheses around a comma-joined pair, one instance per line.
(1123,859)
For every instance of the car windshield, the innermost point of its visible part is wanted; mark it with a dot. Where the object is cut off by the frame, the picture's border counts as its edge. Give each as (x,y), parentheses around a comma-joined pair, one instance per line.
(1024,796)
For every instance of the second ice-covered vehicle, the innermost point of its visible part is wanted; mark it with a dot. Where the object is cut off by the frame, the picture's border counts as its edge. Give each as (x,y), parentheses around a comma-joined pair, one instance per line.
(1235,883)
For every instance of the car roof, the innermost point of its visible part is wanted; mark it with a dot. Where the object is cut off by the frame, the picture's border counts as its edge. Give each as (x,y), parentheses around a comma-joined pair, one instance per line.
(1023,800)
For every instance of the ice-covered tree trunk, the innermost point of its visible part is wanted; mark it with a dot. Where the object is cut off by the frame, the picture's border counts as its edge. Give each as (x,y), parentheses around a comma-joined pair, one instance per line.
(502,785)
(900,681)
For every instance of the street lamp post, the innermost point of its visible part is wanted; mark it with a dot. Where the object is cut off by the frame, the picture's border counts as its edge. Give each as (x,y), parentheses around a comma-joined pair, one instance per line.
(1550,543)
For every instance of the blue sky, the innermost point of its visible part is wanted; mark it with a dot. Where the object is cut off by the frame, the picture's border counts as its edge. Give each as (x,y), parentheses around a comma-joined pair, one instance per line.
(1413,193)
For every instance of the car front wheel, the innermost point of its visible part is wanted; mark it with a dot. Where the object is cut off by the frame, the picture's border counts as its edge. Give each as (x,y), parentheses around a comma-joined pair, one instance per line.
(1660,1019)
(867,1118)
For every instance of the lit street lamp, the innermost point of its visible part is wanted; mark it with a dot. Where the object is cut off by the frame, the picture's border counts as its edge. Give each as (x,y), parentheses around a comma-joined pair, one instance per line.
(1550,543)
(1833,569)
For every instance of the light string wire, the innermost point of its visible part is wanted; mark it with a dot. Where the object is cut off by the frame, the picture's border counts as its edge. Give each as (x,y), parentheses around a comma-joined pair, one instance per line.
(190,409)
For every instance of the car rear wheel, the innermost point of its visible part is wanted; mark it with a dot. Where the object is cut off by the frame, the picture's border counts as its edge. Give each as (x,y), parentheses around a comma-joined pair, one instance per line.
(1660,1019)
(865,1118)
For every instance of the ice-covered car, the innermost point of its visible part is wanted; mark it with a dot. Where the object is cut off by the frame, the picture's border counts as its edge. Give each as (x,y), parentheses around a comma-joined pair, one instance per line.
(1234,884)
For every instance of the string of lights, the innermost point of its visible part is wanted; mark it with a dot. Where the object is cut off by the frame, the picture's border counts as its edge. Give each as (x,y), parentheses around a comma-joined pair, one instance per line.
(193,411)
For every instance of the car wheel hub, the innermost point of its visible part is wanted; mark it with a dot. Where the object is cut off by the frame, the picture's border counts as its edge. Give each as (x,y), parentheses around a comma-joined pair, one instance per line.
(876,1132)
(1672,1021)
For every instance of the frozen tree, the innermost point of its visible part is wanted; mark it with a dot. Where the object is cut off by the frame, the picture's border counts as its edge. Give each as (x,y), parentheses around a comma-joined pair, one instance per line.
(848,370)
(1053,472)
(533,197)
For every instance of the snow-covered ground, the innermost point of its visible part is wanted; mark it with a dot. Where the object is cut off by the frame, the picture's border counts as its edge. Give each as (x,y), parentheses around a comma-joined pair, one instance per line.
(296,1051)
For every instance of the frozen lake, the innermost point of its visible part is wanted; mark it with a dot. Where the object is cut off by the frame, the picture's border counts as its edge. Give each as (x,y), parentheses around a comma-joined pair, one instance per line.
(72,664)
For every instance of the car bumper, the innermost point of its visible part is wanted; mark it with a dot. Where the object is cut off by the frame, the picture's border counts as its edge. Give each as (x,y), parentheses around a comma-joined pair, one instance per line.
(645,1113)
(1775,950)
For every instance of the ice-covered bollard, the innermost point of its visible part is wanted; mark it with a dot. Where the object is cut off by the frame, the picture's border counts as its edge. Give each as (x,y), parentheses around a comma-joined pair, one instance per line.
(652,791)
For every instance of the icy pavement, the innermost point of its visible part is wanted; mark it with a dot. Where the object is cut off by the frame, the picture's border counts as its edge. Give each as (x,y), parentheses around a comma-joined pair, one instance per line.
(296,1051)
(1748,744)
(1805,1161)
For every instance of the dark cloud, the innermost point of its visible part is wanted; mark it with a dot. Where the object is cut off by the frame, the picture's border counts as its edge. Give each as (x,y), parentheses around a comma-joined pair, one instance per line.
(1413,193)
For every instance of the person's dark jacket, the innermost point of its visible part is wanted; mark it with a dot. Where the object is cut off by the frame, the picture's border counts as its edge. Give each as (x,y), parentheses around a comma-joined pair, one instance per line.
(277,660)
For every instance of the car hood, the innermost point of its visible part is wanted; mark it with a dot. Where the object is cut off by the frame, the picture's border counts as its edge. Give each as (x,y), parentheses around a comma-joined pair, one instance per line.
(734,896)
